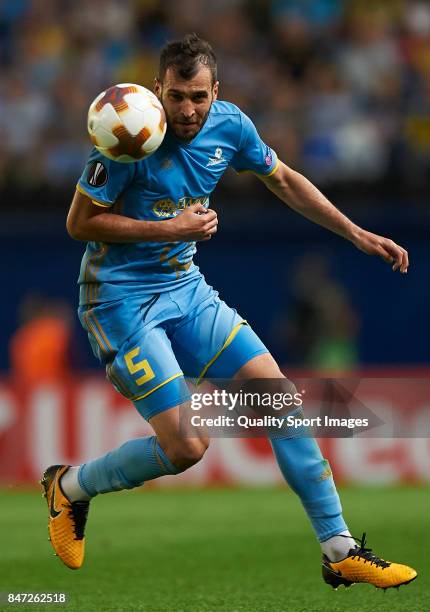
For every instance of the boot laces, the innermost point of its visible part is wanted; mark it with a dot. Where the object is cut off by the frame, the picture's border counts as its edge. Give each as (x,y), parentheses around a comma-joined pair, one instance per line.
(366,553)
(78,513)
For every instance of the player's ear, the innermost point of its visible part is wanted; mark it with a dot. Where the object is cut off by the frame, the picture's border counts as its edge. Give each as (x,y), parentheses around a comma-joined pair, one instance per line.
(157,88)
(215,91)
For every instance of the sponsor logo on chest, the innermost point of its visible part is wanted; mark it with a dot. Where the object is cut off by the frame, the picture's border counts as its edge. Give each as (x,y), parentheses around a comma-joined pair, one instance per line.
(169,208)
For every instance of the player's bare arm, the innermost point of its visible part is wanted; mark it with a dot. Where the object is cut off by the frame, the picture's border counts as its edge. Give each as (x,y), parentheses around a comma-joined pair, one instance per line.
(303,197)
(87,221)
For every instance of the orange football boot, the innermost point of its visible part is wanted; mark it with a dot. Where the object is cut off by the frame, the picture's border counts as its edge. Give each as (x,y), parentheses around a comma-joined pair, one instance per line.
(361,565)
(67,519)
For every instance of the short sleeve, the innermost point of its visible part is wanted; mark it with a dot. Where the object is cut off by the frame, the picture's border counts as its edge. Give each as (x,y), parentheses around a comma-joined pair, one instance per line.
(253,154)
(104,180)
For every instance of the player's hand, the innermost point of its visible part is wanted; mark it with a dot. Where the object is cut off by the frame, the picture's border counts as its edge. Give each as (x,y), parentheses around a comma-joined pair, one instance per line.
(195,223)
(389,251)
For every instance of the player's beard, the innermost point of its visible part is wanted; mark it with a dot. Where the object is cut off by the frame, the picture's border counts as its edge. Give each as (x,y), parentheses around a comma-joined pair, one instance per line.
(171,124)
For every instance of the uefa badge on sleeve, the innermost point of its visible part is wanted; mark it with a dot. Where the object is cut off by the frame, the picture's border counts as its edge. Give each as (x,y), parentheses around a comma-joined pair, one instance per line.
(97,174)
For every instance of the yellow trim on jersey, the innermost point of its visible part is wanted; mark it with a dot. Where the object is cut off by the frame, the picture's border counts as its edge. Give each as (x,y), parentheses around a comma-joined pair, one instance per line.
(229,340)
(275,167)
(158,387)
(96,202)
(273,170)
(101,205)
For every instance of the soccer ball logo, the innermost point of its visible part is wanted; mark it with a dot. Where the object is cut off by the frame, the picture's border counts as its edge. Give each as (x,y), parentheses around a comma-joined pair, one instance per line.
(126,122)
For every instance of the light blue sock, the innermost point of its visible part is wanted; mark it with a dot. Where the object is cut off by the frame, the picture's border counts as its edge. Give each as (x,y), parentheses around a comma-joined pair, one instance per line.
(309,475)
(126,467)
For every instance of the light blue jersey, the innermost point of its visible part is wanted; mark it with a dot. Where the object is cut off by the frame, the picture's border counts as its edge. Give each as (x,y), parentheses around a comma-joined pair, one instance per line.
(158,188)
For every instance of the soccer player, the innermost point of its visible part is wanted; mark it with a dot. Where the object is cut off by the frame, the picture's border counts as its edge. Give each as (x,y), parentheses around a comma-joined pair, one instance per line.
(151,318)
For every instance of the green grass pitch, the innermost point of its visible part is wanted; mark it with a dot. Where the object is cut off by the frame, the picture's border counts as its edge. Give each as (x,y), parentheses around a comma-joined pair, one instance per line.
(243,550)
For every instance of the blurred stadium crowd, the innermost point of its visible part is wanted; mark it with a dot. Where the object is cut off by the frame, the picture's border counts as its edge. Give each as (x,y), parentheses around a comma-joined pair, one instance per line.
(340,89)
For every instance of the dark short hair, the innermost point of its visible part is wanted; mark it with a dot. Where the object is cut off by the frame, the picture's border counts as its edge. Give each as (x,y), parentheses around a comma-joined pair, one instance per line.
(186,56)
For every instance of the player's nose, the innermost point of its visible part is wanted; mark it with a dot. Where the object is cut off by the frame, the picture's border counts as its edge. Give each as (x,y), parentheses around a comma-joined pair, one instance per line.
(187,109)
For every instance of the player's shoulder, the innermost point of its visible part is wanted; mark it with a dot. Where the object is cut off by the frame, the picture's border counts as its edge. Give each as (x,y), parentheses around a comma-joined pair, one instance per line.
(101,173)
(229,119)
(97,159)
(223,110)
(222,107)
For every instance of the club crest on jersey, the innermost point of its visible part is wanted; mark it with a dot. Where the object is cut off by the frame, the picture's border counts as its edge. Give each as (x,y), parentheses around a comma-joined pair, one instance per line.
(218,158)
(97,174)
(164,208)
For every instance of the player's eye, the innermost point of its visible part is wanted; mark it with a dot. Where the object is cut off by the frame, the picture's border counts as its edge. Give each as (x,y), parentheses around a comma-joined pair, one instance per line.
(175,96)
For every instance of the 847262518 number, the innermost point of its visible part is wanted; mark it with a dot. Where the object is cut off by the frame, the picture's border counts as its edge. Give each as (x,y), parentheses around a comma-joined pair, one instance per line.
(32,598)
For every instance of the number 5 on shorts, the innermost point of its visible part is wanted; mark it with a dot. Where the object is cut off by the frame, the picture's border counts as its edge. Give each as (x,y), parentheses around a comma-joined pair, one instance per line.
(139,366)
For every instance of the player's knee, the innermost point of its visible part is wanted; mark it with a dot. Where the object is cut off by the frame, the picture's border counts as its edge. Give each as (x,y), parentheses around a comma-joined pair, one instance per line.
(285,396)
(188,452)
(282,391)
(283,385)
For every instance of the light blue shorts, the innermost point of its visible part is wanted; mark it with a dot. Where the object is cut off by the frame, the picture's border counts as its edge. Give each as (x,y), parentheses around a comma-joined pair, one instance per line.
(150,343)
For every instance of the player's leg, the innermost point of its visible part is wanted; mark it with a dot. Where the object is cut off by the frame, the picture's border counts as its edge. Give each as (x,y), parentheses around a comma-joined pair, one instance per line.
(142,366)
(303,466)
(182,443)
(214,342)
(68,489)
(170,451)
(309,475)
